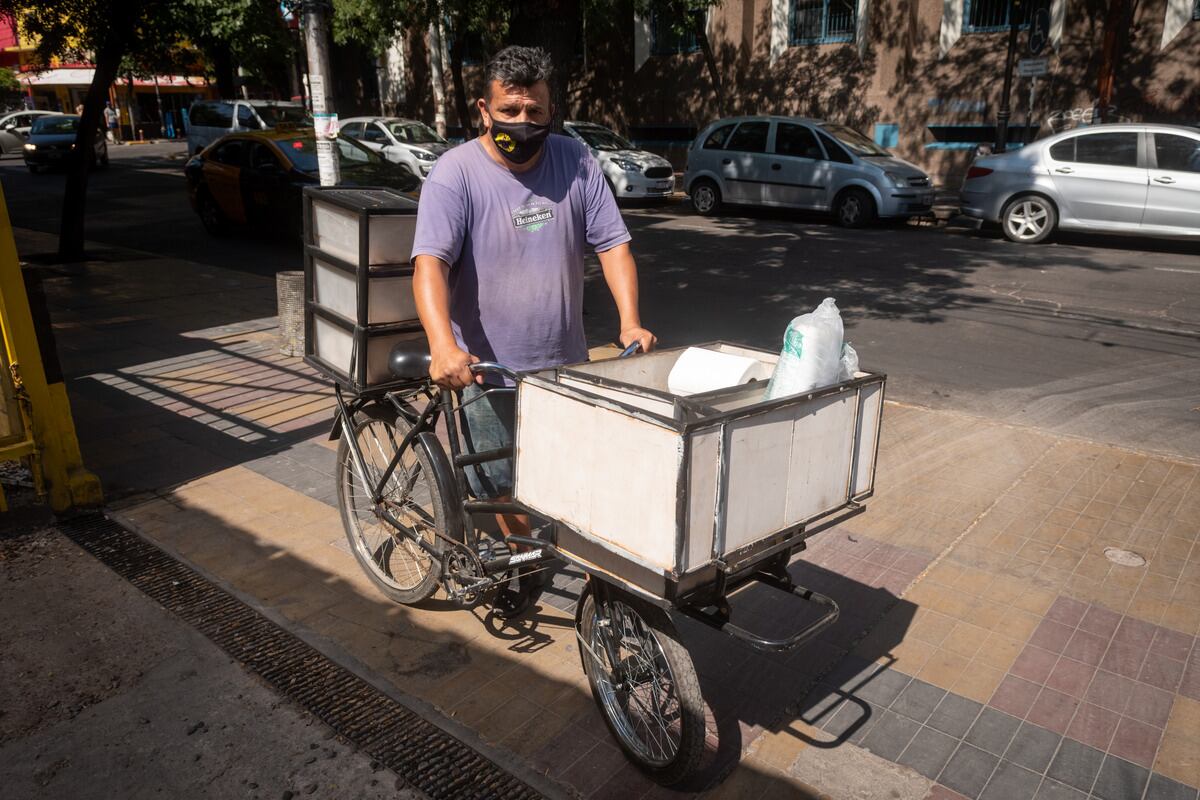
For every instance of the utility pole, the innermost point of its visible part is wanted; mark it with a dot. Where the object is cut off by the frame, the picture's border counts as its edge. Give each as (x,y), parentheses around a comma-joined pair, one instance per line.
(316,43)
(1015,11)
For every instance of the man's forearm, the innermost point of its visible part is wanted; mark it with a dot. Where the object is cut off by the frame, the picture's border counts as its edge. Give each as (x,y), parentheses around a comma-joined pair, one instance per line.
(431,290)
(620,273)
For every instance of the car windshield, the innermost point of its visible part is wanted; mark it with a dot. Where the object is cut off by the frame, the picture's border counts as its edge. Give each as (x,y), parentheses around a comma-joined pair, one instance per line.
(55,125)
(855,142)
(302,152)
(274,115)
(601,138)
(415,133)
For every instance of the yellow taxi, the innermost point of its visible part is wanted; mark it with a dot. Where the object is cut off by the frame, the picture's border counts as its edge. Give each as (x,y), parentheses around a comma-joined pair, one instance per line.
(255,178)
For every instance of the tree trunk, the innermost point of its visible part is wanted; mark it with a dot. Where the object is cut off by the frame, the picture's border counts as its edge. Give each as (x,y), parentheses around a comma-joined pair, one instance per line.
(1116,24)
(699,21)
(108,61)
(462,105)
(435,75)
(552,25)
(222,65)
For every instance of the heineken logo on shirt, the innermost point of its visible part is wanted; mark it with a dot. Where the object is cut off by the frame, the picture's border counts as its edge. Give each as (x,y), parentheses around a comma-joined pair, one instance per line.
(531,217)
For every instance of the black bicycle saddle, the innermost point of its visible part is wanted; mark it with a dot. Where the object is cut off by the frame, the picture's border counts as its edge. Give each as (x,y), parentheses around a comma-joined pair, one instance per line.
(409,360)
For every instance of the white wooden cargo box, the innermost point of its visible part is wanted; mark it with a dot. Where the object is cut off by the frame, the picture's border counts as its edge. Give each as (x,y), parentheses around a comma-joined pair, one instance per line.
(661,489)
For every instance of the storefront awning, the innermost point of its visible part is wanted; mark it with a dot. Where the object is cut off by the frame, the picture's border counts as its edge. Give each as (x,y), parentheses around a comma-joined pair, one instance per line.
(79,76)
(58,77)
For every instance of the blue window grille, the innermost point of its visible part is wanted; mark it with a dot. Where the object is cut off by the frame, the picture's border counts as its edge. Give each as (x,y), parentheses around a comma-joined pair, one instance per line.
(822,21)
(1196,10)
(665,41)
(986,16)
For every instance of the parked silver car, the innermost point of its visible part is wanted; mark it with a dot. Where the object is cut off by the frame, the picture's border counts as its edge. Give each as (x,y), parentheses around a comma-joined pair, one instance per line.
(795,162)
(1132,179)
(412,144)
(209,120)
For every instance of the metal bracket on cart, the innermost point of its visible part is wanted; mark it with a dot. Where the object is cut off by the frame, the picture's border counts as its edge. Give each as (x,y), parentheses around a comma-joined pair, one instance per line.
(773,574)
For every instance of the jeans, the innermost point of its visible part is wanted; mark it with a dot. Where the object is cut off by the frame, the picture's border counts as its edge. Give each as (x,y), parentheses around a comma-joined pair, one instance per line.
(488,425)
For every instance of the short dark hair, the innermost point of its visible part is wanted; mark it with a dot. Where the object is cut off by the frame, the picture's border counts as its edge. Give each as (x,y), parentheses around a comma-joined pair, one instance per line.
(518,66)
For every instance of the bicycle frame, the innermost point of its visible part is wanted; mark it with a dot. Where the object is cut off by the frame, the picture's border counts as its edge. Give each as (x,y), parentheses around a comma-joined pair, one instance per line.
(441,403)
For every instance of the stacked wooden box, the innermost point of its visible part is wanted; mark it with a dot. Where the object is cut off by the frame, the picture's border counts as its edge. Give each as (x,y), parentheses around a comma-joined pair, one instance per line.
(358,282)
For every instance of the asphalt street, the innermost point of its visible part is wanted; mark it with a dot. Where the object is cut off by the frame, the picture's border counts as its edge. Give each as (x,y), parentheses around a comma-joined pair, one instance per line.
(1092,336)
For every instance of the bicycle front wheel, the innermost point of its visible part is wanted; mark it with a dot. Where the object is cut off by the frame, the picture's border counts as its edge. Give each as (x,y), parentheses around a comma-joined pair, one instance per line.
(644,682)
(391,557)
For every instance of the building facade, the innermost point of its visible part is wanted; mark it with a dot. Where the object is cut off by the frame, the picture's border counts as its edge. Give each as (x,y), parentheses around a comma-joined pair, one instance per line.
(923,77)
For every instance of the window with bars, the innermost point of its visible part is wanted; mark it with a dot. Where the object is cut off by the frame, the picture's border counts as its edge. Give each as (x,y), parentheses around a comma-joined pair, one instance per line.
(983,16)
(665,39)
(823,21)
(1196,10)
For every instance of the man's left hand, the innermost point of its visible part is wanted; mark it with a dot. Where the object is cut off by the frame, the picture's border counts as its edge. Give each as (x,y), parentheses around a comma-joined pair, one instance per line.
(641,335)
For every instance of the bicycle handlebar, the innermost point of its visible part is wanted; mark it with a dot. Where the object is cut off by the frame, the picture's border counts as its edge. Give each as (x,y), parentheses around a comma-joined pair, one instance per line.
(492,366)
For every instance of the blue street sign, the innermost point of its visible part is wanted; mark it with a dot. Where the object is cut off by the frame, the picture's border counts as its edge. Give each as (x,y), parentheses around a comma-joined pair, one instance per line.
(1039,30)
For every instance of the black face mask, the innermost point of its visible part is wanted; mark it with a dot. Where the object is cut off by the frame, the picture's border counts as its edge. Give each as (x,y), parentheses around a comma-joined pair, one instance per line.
(518,141)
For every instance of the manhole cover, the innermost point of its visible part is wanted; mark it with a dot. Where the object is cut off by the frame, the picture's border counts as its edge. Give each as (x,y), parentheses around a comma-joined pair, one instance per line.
(1126,558)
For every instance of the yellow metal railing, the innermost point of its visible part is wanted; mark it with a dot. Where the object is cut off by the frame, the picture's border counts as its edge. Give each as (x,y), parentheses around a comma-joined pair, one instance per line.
(36,425)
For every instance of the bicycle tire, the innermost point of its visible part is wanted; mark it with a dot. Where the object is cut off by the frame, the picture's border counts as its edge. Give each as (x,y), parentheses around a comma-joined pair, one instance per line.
(666,767)
(379,559)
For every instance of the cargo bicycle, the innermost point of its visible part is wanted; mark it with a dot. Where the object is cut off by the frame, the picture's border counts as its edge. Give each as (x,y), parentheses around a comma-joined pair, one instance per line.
(685,529)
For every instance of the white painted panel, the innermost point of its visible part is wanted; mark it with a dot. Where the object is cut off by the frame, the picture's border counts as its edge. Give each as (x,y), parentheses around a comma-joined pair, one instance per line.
(702,496)
(335,231)
(611,476)
(822,445)
(542,449)
(759,454)
(867,437)
(336,346)
(388,299)
(651,404)
(391,238)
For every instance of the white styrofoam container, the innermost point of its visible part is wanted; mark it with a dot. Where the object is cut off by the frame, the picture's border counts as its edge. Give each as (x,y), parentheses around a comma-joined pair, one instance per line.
(389,299)
(335,231)
(659,489)
(335,346)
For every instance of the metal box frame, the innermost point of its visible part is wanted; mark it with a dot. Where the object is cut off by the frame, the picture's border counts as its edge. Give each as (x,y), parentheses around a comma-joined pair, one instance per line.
(364,203)
(702,428)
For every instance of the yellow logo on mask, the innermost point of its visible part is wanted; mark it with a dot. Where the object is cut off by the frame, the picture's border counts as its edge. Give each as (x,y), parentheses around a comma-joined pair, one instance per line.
(505,142)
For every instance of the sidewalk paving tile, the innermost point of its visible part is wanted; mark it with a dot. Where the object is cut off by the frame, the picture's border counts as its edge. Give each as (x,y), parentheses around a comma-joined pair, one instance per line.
(975,589)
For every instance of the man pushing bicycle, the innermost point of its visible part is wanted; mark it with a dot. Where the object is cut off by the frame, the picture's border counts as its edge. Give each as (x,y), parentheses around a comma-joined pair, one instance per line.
(501,229)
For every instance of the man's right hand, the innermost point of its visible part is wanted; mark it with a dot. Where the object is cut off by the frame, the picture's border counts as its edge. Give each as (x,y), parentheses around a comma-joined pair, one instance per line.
(450,368)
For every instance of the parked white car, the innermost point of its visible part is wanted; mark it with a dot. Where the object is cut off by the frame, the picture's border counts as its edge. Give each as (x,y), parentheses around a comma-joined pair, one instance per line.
(14,129)
(630,172)
(407,142)
(793,162)
(1133,179)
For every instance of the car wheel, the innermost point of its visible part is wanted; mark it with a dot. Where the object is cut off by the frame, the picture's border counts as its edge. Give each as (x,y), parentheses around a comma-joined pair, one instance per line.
(706,198)
(854,208)
(104,159)
(210,214)
(1028,219)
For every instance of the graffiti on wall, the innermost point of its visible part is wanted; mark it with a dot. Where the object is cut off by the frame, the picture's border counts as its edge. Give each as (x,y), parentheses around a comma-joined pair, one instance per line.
(1064,119)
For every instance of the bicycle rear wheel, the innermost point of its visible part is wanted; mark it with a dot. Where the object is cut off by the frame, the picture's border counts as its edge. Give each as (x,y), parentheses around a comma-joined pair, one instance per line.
(644,682)
(393,561)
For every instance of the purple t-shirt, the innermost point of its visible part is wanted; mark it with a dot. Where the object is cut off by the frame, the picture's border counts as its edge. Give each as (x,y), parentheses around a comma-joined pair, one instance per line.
(514,243)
